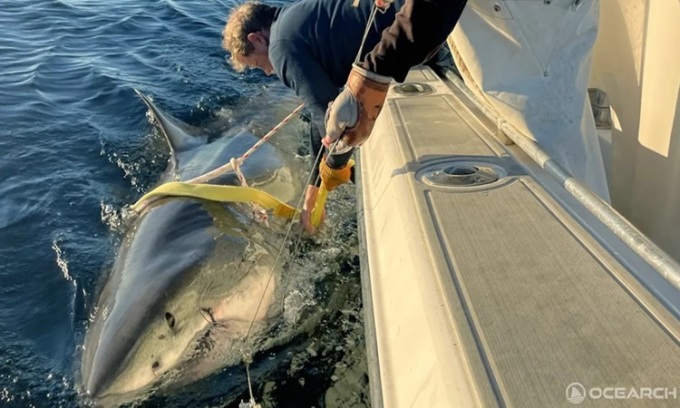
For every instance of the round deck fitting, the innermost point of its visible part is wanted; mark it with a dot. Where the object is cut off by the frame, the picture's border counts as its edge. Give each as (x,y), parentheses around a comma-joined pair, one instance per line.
(412,88)
(461,174)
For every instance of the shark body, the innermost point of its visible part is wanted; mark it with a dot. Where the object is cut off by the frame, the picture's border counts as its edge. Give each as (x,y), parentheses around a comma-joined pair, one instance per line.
(191,278)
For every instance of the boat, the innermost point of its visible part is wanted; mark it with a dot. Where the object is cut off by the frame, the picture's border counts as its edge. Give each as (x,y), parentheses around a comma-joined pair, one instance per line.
(491,275)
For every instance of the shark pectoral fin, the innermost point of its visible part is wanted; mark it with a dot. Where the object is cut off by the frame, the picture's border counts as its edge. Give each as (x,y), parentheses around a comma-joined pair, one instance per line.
(227,194)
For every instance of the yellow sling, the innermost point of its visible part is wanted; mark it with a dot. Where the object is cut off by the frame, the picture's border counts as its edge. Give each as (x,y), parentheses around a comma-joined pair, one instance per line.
(231,194)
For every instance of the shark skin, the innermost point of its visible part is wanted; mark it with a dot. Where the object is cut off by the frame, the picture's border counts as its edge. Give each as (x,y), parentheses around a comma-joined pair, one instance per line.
(190,277)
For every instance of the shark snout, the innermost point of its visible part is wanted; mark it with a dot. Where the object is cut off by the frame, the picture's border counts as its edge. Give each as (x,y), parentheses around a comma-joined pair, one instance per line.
(102,361)
(99,375)
(94,386)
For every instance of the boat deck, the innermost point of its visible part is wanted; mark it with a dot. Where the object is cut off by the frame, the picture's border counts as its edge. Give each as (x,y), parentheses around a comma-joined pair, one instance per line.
(498,294)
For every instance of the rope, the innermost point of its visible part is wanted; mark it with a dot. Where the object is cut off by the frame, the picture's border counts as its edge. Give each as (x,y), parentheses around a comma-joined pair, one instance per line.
(271,275)
(251,403)
(290,224)
(147,200)
(278,256)
(368,28)
(316,213)
(228,167)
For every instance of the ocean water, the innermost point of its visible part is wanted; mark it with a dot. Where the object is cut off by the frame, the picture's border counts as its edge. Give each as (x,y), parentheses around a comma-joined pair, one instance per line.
(76,148)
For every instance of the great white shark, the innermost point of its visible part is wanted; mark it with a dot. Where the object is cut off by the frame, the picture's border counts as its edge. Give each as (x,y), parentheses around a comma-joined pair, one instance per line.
(190,276)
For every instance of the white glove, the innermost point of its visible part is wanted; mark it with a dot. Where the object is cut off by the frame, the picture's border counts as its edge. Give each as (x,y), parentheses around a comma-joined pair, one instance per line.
(342,113)
(353,113)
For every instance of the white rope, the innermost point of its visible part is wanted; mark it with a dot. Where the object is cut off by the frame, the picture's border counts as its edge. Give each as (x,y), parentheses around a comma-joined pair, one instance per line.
(246,358)
(251,403)
(234,164)
(229,167)
(368,28)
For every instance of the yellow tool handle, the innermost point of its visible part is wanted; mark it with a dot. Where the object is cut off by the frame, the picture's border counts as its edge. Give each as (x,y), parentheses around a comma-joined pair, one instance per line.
(320,204)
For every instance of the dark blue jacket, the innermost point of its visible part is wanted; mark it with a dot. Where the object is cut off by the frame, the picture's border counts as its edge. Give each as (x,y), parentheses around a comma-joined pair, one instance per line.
(313,43)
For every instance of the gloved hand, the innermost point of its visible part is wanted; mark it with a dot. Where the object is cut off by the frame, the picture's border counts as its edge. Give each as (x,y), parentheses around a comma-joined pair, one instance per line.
(353,113)
(331,177)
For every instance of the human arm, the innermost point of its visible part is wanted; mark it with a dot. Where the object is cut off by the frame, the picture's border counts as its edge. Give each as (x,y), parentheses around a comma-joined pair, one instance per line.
(419,29)
(299,70)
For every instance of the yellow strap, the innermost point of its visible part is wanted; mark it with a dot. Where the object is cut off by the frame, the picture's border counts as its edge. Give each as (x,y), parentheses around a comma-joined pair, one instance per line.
(230,194)
(319,206)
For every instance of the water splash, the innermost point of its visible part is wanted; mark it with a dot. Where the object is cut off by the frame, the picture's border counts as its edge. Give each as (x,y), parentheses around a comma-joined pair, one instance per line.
(61,262)
(113,217)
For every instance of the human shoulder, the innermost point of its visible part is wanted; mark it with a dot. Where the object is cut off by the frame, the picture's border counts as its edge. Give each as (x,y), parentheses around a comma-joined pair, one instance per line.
(292,21)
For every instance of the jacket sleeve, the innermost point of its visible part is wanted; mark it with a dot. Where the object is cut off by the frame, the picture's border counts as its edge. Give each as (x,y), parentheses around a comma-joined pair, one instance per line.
(300,71)
(419,28)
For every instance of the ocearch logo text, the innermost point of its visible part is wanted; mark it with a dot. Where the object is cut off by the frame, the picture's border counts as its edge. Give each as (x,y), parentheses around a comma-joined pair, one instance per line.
(577,393)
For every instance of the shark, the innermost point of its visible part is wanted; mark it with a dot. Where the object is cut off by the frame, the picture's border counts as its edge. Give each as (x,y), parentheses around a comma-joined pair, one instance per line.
(192,279)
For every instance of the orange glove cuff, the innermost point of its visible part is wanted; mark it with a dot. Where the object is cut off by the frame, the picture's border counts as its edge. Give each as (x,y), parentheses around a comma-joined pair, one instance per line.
(332,178)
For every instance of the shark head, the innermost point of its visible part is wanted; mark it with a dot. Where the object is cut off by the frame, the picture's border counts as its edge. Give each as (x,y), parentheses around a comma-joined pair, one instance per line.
(191,280)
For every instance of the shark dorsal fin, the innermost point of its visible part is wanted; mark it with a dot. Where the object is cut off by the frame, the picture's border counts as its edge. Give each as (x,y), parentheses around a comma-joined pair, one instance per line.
(180,136)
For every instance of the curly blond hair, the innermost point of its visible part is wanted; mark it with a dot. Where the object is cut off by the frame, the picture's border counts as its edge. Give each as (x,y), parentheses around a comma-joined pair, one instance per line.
(250,17)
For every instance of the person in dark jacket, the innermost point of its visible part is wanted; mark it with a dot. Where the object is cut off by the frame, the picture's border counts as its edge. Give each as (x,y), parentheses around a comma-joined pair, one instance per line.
(311,46)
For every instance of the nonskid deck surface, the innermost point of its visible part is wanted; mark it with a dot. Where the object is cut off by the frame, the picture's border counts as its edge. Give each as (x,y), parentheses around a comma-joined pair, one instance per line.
(502,294)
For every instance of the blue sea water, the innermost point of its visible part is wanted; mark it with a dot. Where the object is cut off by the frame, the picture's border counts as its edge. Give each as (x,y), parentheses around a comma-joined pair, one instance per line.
(76,146)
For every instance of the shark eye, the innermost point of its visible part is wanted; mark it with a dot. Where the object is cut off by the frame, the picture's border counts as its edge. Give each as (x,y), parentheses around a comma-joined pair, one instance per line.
(155,365)
(170,319)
